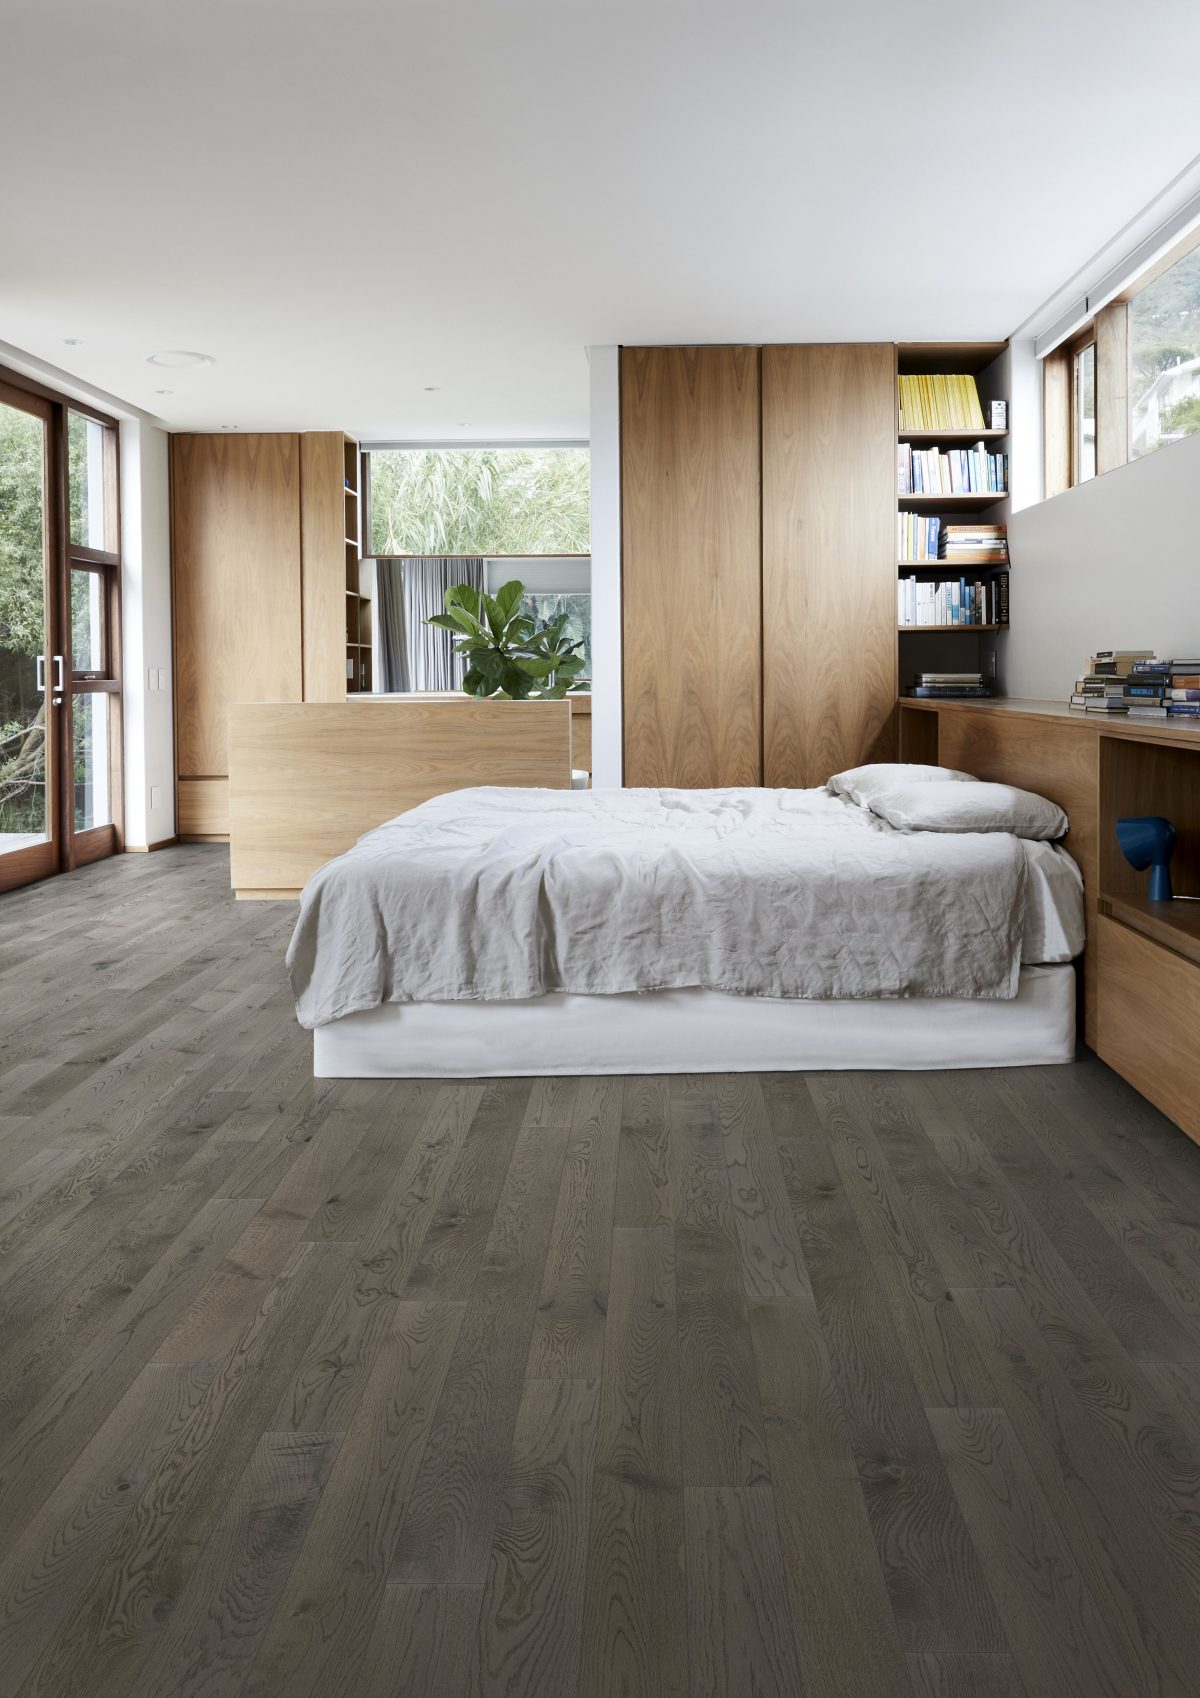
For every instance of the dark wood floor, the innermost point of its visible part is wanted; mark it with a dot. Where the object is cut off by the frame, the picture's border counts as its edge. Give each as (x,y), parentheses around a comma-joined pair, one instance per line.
(850,1386)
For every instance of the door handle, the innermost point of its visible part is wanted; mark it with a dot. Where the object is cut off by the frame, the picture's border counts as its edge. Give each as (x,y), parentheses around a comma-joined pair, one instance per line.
(58,673)
(40,683)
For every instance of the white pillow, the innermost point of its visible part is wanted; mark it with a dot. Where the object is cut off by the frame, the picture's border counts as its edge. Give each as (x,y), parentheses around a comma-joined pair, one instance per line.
(971,806)
(860,783)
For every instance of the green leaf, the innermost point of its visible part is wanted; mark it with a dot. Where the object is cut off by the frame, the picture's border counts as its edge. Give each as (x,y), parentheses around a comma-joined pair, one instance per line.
(463,596)
(509,598)
(475,684)
(445,622)
(535,667)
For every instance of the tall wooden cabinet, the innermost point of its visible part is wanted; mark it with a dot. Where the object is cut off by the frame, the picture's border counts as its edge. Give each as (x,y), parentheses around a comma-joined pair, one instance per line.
(828,564)
(258,550)
(691,518)
(758,562)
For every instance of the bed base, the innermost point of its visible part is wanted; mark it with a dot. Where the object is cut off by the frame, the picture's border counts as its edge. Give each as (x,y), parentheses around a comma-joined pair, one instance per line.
(698,1031)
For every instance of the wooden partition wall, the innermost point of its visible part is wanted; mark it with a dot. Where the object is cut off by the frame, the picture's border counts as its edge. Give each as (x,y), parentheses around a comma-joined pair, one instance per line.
(829,559)
(759,562)
(258,565)
(691,521)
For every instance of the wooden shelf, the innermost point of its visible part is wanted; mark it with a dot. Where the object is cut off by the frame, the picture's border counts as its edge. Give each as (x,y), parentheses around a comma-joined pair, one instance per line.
(973,630)
(965,566)
(933,438)
(1174,924)
(915,358)
(963,503)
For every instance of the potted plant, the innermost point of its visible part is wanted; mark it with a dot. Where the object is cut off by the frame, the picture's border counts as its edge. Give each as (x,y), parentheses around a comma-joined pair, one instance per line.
(508,653)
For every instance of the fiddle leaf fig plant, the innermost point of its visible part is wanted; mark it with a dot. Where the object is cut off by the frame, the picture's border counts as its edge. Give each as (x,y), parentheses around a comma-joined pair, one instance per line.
(508,653)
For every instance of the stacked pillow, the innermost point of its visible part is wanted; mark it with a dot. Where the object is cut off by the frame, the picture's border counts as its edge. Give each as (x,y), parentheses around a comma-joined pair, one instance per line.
(930,798)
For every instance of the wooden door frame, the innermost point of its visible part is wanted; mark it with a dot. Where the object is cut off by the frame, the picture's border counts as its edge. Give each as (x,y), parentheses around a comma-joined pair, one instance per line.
(68,848)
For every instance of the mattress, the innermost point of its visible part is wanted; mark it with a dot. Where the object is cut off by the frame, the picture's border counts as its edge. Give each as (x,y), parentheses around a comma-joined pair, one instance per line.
(699,1031)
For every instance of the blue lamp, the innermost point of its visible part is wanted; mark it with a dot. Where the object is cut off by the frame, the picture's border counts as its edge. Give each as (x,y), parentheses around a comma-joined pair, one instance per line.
(1150,842)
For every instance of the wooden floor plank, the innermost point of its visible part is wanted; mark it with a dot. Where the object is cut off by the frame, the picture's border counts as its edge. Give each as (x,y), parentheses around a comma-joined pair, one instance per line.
(568,1333)
(1060,1639)
(319,1633)
(635,1627)
(740,1628)
(446,1537)
(723,1443)
(530,1623)
(221,1617)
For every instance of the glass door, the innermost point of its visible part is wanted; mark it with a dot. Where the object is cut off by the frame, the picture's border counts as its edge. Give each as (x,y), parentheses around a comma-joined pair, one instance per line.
(92,685)
(60,686)
(30,831)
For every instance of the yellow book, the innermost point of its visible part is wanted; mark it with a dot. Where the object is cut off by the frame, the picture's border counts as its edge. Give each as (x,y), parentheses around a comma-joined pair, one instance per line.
(974,410)
(927,403)
(959,401)
(945,406)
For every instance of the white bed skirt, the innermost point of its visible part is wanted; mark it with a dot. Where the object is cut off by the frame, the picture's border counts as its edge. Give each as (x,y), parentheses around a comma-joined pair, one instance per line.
(698,1031)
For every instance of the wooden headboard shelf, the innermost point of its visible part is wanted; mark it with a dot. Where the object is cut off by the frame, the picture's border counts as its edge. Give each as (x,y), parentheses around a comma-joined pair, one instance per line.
(1141,969)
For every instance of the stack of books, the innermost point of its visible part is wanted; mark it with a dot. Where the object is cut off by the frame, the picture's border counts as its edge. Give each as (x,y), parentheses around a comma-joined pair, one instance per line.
(1150,689)
(952,601)
(947,684)
(917,537)
(1122,681)
(956,471)
(978,544)
(942,402)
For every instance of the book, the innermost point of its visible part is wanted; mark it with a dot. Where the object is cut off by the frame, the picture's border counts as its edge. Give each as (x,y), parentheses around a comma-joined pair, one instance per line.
(997,415)
(939,401)
(1188,695)
(946,692)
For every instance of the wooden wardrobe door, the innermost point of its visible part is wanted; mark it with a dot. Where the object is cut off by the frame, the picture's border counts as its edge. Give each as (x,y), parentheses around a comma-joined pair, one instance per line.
(235,529)
(691,523)
(829,559)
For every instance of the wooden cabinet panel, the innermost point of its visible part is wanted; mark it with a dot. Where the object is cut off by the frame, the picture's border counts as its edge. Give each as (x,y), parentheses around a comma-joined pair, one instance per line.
(829,559)
(202,807)
(1149,1015)
(1057,758)
(691,566)
(323,564)
(235,528)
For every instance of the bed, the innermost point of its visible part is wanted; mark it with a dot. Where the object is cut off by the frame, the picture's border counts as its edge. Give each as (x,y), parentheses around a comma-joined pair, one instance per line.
(518,932)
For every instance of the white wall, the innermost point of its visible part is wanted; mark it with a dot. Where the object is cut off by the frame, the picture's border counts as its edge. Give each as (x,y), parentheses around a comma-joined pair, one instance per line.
(146,634)
(1111,563)
(607,753)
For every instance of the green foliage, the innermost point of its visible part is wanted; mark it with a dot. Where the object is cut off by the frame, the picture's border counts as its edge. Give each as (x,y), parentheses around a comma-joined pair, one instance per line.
(1183,418)
(1164,323)
(21,558)
(508,653)
(480,501)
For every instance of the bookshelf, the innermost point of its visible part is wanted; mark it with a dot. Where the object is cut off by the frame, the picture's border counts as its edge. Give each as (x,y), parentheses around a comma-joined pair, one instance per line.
(358,606)
(953,648)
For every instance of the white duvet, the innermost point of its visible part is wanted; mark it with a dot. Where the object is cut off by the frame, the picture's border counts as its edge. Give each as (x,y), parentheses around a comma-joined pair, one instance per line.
(504,894)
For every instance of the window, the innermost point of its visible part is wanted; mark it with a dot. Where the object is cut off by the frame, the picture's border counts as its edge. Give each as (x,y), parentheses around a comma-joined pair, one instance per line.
(1083,413)
(1164,358)
(1129,382)
(478,501)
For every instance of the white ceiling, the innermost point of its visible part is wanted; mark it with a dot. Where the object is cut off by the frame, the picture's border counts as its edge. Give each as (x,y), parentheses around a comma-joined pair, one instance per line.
(410,219)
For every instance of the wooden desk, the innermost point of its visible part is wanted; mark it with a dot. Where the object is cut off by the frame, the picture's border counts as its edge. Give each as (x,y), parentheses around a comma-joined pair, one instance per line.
(1141,971)
(307,779)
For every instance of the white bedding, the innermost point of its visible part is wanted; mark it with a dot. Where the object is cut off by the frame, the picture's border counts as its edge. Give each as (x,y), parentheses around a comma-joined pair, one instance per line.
(507,895)
(698,1031)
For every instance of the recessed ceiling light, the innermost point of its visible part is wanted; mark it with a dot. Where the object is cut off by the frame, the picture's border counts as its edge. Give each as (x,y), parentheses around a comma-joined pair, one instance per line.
(431,389)
(164,392)
(72,341)
(178,358)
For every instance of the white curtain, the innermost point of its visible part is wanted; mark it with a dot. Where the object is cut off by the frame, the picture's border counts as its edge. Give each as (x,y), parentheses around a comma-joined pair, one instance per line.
(414,655)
